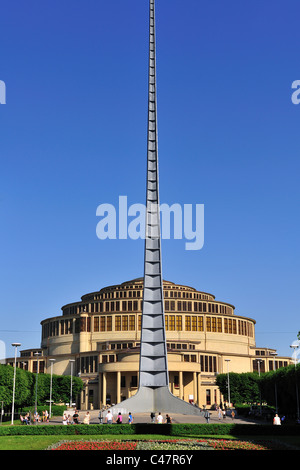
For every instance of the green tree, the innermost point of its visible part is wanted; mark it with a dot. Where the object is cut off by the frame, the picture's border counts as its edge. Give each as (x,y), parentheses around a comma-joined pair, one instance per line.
(25,390)
(281,384)
(244,388)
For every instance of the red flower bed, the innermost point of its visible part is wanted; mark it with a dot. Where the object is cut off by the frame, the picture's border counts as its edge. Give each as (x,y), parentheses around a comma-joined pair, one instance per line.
(213,444)
(222,444)
(94,445)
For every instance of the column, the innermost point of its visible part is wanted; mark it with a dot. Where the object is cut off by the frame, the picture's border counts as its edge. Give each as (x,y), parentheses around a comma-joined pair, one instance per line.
(180,384)
(118,386)
(195,387)
(199,387)
(104,388)
(100,391)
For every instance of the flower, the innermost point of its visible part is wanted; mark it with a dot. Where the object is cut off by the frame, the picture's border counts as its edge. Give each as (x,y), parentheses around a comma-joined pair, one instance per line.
(166,444)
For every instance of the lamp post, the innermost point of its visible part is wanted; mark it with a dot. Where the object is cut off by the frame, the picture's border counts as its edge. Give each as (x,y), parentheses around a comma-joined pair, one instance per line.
(274,354)
(259,361)
(71,362)
(228,384)
(50,406)
(36,384)
(15,345)
(296,346)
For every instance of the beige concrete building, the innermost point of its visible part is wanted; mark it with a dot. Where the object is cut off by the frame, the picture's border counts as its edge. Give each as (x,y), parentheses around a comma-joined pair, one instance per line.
(102,333)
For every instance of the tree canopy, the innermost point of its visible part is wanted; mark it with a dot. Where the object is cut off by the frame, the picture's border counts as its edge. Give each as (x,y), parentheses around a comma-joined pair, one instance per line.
(26,386)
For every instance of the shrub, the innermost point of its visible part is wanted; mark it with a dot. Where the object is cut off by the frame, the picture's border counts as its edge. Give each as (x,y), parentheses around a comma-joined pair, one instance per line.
(183,430)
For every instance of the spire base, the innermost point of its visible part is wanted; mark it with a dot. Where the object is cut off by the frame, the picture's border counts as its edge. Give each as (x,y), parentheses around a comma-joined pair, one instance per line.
(154,399)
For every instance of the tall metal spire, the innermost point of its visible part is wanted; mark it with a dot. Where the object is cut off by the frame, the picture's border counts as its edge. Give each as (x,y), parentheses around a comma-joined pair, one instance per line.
(153,393)
(153,357)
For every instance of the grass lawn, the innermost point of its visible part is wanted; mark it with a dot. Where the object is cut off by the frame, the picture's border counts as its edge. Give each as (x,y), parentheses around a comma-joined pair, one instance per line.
(42,442)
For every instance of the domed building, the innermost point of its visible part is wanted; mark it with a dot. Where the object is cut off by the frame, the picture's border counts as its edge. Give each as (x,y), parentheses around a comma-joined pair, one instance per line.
(101,333)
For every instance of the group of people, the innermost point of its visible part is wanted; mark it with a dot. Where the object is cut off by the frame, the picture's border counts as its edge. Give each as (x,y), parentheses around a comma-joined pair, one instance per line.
(68,419)
(109,419)
(36,418)
(222,413)
(25,419)
(159,419)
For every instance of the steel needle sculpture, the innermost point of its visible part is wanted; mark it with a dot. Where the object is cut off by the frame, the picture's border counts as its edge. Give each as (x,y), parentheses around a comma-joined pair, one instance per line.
(153,393)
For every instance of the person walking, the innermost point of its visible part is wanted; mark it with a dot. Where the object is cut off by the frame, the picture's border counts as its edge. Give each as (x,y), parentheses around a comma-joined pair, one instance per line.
(159,418)
(207,416)
(86,419)
(109,417)
(119,419)
(276,420)
(168,419)
(130,418)
(76,417)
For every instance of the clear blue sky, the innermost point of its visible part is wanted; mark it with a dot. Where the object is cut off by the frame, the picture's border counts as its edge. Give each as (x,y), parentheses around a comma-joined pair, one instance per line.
(73,136)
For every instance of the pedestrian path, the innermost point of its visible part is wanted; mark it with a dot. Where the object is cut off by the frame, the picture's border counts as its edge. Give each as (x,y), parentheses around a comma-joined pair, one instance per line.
(176,418)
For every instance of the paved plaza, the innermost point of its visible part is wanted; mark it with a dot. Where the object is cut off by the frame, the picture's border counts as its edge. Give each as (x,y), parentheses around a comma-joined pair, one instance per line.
(176,418)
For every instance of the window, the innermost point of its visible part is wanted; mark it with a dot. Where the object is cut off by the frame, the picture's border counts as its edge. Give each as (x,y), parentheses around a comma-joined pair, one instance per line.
(208,398)
(96,323)
(172,322)
(82,324)
(124,322)
(131,322)
(208,363)
(133,382)
(118,323)
(188,323)
(178,322)
(176,381)
(109,324)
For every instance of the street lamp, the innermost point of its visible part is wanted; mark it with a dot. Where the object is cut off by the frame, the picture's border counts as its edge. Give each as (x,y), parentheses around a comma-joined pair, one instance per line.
(274,354)
(15,345)
(50,407)
(36,384)
(259,361)
(228,360)
(71,362)
(296,346)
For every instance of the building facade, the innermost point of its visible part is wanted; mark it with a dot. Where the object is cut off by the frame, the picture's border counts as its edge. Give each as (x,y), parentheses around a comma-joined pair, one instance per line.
(102,334)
